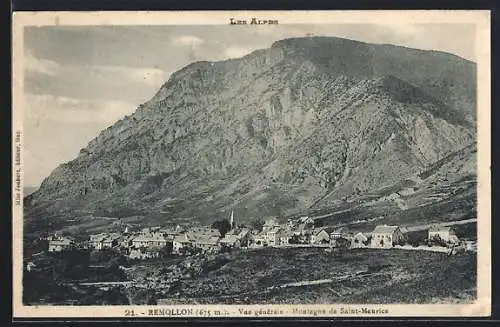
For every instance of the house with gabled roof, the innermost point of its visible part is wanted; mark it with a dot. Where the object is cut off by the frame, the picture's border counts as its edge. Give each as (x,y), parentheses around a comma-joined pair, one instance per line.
(96,240)
(236,238)
(149,241)
(170,233)
(125,241)
(30,266)
(238,231)
(320,236)
(445,233)
(181,241)
(143,254)
(244,236)
(259,240)
(270,224)
(231,241)
(306,220)
(339,232)
(303,226)
(203,230)
(273,236)
(360,240)
(111,240)
(285,236)
(340,242)
(60,243)
(384,236)
(207,243)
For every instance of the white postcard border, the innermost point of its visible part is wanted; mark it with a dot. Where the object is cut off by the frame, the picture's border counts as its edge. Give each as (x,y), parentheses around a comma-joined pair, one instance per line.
(482,307)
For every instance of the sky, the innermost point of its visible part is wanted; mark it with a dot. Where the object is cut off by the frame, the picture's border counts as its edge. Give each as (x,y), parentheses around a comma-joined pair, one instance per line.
(78,80)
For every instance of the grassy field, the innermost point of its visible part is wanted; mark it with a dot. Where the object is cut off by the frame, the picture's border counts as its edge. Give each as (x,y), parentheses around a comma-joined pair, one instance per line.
(358,276)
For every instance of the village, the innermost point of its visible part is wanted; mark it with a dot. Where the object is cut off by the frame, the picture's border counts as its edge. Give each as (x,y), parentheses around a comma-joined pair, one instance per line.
(149,242)
(133,264)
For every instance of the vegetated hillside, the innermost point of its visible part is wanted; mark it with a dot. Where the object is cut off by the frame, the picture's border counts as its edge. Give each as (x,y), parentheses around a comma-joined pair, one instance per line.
(284,276)
(304,124)
(446,191)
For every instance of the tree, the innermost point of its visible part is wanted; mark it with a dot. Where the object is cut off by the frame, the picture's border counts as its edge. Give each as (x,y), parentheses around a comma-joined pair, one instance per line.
(294,239)
(257,225)
(225,249)
(400,242)
(415,239)
(222,225)
(437,241)
(166,250)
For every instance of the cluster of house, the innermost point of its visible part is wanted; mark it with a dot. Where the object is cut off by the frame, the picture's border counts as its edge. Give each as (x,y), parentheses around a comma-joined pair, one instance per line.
(148,241)
(384,236)
(59,243)
(299,231)
(303,231)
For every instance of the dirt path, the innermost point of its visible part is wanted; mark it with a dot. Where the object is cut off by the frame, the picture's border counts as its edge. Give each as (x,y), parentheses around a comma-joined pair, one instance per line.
(409,228)
(305,283)
(330,214)
(103,283)
(448,223)
(324,281)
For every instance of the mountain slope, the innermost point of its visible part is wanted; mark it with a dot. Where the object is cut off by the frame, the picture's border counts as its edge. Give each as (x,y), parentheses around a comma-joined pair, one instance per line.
(303,124)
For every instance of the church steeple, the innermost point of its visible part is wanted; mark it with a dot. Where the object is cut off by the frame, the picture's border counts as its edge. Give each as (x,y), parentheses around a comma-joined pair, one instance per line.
(231,222)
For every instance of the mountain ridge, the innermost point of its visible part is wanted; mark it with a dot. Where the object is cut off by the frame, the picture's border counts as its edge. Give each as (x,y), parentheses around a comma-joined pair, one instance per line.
(218,129)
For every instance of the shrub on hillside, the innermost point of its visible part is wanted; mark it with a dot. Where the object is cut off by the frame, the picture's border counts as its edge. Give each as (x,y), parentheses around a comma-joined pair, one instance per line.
(294,239)
(166,251)
(437,241)
(257,225)
(416,238)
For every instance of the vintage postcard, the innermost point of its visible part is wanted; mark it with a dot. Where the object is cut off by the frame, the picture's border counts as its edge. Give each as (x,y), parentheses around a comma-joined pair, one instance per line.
(251,164)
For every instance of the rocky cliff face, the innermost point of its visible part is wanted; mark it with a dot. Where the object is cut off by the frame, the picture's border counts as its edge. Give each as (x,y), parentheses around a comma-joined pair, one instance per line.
(304,123)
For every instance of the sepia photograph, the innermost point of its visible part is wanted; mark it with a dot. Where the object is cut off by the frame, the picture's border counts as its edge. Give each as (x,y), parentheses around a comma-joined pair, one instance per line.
(251,164)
